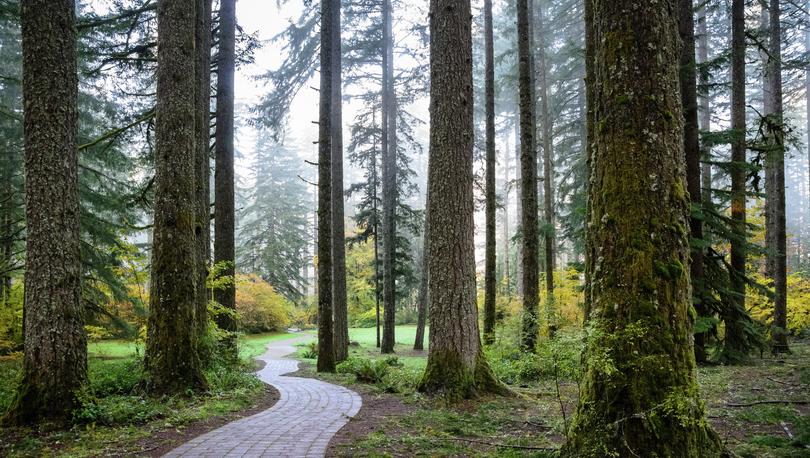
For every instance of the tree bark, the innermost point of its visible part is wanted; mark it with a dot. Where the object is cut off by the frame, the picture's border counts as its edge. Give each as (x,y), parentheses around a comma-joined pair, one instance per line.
(691,142)
(518,207)
(202,167)
(548,179)
(55,348)
(422,300)
(171,360)
(733,342)
(338,226)
(775,181)
(639,394)
(505,239)
(490,281)
(326,342)
(224,206)
(704,105)
(456,366)
(528,182)
(389,185)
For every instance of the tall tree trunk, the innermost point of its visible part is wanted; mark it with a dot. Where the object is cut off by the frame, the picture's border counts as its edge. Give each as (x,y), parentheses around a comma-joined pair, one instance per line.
(648,404)
(422,300)
(734,344)
(6,236)
(172,361)
(528,182)
(389,185)
(490,281)
(376,223)
(704,104)
(548,177)
(518,206)
(224,207)
(326,342)
(691,143)
(590,127)
(55,353)
(338,226)
(456,364)
(506,278)
(775,181)
(807,114)
(202,167)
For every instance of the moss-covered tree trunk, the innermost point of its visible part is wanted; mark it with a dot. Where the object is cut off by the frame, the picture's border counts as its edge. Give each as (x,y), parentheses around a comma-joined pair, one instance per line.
(326,339)
(172,362)
(528,180)
(639,395)
(490,282)
(202,167)
(456,365)
(734,345)
(224,206)
(389,167)
(338,225)
(776,236)
(55,353)
(692,152)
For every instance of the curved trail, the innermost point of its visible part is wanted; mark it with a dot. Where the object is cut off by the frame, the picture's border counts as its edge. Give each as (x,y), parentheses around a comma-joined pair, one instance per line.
(300,424)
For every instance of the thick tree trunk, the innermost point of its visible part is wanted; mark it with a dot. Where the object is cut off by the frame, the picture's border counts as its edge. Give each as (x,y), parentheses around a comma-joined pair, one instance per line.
(172,361)
(734,343)
(691,142)
(202,167)
(639,394)
(518,207)
(55,353)
(389,185)
(422,300)
(549,236)
(224,207)
(326,348)
(590,126)
(775,181)
(456,366)
(490,281)
(528,182)
(338,226)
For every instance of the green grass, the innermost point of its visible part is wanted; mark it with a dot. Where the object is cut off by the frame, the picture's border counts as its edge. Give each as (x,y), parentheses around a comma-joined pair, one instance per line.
(114,349)
(251,346)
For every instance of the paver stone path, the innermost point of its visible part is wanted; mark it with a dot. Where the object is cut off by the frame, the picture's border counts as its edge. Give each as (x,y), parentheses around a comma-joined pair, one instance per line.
(301,424)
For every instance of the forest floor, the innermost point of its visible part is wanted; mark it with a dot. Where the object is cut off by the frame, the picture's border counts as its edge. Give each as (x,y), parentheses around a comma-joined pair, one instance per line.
(397,421)
(761,409)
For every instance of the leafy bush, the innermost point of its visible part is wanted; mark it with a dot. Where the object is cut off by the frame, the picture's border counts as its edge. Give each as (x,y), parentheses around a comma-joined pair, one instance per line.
(558,358)
(261,308)
(798,288)
(365,370)
(11,321)
(114,377)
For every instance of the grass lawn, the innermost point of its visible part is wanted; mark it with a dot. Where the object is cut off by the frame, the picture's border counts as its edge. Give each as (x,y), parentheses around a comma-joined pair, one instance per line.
(251,346)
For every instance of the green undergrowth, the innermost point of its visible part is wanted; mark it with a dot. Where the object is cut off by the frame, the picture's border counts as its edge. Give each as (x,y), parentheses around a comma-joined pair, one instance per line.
(117,417)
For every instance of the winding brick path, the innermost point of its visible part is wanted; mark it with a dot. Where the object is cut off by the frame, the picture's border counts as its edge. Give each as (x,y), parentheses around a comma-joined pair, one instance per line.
(300,424)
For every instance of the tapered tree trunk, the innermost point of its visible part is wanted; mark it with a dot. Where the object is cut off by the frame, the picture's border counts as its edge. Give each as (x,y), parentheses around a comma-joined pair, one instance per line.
(6,236)
(590,99)
(338,226)
(490,281)
(202,158)
(422,300)
(704,106)
(776,236)
(55,348)
(549,237)
(647,403)
(172,361)
(691,142)
(389,186)
(456,366)
(506,278)
(518,207)
(733,341)
(376,223)
(528,180)
(224,207)
(326,342)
